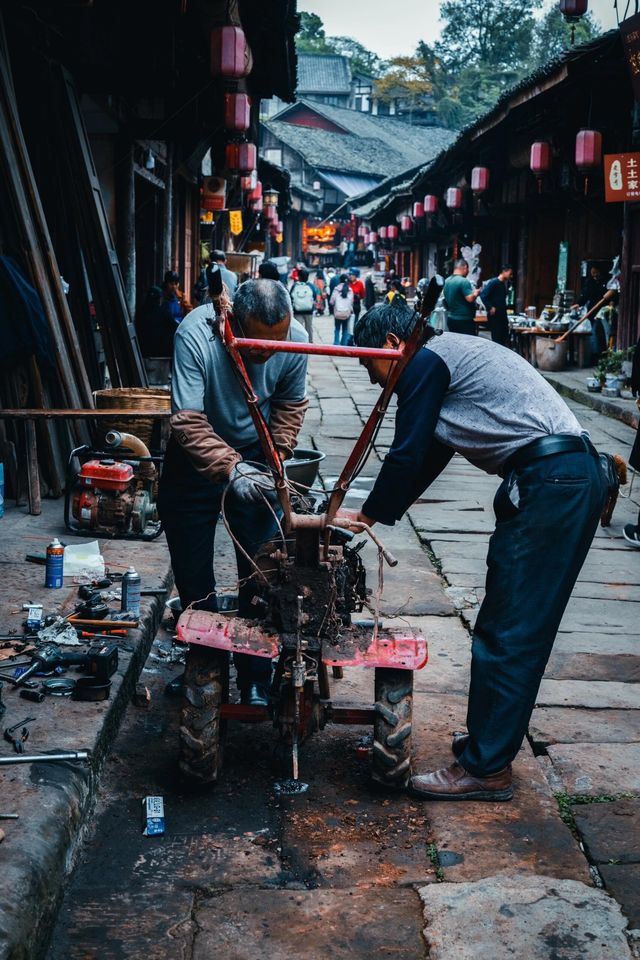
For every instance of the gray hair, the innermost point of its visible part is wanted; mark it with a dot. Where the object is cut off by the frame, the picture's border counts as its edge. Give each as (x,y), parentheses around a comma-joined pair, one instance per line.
(266,300)
(460,264)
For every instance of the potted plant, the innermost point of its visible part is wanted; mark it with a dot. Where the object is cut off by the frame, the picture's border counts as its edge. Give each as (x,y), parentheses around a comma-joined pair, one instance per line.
(609,366)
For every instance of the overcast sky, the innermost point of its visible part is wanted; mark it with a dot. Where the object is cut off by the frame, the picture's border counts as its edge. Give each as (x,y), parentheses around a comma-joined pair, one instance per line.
(391,28)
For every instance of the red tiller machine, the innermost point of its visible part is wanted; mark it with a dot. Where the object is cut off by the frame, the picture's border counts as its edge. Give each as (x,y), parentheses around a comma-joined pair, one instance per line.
(307,585)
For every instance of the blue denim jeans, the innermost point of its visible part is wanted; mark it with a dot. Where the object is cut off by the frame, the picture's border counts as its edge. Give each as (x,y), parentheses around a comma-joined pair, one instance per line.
(341,332)
(546,516)
(189,506)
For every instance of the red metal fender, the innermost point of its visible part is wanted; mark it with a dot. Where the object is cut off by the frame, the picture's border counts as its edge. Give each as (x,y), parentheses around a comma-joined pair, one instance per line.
(206,629)
(356,647)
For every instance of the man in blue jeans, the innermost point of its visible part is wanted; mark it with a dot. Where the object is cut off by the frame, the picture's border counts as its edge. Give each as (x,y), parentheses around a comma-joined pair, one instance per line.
(214,447)
(470,396)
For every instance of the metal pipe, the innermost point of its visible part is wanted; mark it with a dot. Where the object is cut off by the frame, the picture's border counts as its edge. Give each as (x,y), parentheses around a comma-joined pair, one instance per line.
(115,438)
(77,755)
(318,349)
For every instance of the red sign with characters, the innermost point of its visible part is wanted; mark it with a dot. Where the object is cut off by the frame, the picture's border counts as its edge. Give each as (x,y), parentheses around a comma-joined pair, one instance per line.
(621,177)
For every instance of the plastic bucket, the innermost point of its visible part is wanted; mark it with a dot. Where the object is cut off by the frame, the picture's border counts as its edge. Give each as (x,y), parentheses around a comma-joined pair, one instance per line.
(303,466)
(551,354)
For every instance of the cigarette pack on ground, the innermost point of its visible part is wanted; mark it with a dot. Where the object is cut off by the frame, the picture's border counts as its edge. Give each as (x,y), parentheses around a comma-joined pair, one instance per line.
(152,816)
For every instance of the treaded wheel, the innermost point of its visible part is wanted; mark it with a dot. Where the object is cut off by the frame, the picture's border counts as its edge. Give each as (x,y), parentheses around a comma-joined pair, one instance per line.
(391,758)
(206,688)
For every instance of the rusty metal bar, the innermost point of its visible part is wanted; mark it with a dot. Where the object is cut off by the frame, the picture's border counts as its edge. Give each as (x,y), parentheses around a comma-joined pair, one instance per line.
(353,716)
(316,349)
(245,714)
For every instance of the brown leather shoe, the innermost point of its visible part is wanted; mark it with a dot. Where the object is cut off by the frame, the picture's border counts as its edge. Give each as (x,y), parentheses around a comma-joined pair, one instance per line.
(459,743)
(455,783)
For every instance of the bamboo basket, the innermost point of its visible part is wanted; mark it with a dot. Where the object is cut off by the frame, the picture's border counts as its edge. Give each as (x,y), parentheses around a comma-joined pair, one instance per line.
(132,398)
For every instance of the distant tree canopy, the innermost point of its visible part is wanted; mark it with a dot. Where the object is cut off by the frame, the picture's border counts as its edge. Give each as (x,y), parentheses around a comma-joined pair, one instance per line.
(484,48)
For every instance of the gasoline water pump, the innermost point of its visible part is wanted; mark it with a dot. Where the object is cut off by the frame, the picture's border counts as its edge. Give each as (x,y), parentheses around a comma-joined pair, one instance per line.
(115,491)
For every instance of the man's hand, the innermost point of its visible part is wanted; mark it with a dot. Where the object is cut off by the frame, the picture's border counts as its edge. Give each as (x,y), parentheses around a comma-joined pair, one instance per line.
(354,516)
(251,485)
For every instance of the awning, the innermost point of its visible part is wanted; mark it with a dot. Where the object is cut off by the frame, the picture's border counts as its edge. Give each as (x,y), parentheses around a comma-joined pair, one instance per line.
(351,184)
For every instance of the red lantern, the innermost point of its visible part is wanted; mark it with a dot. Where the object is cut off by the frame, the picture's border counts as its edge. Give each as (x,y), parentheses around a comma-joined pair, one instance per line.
(271,212)
(453,198)
(418,210)
(373,237)
(430,204)
(362,231)
(392,232)
(240,157)
(383,233)
(237,111)
(588,149)
(248,183)
(540,160)
(406,224)
(257,205)
(480,179)
(572,10)
(256,193)
(229,53)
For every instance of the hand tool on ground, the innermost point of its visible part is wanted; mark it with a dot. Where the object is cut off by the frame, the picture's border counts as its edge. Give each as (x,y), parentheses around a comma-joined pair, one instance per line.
(18,681)
(80,622)
(75,756)
(33,695)
(18,741)
(48,658)
(9,816)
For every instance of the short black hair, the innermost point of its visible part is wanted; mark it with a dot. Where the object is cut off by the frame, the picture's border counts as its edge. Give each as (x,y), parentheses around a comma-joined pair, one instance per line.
(303,274)
(171,277)
(372,327)
(218,256)
(268,270)
(505,267)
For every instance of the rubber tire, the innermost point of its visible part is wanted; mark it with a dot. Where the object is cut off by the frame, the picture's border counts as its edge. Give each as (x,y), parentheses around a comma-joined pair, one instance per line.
(391,757)
(206,688)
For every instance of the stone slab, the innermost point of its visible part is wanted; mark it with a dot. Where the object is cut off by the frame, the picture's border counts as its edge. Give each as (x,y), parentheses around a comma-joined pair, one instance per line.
(584,693)
(281,924)
(610,831)
(549,725)
(623,883)
(597,769)
(620,667)
(539,918)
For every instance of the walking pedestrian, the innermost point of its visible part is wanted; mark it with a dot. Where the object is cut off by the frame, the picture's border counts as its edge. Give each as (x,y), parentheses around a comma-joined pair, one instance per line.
(494,297)
(174,301)
(369,292)
(357,289)
(341,302)
(460,300)
(469,396)
(303,298)
(229,278)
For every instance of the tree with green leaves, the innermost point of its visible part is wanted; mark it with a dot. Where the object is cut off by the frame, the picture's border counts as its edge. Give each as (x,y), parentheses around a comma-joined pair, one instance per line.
(311,37)
(553,35)
(362,60)
(496,33)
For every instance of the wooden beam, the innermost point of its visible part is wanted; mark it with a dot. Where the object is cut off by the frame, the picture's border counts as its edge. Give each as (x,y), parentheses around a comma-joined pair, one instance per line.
(37,414)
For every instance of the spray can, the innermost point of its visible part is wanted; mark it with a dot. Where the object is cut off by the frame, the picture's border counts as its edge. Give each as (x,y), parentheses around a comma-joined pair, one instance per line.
(131,592)
(54,565)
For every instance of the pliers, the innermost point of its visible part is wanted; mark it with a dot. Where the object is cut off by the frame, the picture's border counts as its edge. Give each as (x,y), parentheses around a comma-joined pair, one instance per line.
(18,742)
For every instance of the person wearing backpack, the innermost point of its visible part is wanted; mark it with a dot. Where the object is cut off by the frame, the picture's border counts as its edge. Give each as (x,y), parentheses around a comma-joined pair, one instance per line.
(341,302)
(303,301)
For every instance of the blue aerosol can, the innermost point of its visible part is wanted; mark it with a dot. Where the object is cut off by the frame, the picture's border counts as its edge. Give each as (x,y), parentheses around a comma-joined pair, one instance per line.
(55,565)
(131,592)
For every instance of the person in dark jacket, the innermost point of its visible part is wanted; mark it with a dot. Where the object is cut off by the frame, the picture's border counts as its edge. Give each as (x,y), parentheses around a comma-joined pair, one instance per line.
(369,292)
(155,326)
(494,297)
(469,396)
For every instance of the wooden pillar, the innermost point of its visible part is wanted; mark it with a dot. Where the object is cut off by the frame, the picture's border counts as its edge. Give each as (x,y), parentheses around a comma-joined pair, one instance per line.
(167,227)
(126,226)
(523,245)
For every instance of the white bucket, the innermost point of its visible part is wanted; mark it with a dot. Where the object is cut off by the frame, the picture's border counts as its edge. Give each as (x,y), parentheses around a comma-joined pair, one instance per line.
(551,354)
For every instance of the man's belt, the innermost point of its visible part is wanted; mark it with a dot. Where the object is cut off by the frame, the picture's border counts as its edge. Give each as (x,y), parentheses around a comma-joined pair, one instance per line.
(547,447)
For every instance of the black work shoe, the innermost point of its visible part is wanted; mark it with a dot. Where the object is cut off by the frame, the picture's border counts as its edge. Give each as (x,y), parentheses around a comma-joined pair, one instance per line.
(459,743)
(254,695)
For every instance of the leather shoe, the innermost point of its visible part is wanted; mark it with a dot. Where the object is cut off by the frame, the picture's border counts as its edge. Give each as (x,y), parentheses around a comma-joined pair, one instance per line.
(455,783)
(459,743)
(254,695)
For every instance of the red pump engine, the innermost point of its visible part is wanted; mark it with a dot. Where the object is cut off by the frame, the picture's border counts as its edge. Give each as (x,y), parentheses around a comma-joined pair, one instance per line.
(111,498)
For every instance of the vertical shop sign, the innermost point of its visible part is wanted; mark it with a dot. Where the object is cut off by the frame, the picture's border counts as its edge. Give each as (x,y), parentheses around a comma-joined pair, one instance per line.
(621,177)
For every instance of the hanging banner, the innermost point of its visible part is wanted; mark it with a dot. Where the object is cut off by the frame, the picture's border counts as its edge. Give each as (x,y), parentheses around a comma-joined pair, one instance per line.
(630,34)
(621,177)
(235,221)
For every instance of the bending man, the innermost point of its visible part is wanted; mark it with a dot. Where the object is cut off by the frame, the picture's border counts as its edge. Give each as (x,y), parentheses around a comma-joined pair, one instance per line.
(469,396)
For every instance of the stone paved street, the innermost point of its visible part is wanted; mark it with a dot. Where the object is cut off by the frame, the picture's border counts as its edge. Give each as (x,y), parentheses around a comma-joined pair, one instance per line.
(341,871)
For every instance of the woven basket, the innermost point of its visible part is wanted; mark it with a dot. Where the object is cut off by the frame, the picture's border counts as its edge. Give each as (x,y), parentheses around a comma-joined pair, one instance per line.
(132,398)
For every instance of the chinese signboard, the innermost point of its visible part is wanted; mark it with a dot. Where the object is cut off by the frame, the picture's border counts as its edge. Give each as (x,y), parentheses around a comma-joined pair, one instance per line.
(235,221)
(214,190)
(630,33)
(621,177)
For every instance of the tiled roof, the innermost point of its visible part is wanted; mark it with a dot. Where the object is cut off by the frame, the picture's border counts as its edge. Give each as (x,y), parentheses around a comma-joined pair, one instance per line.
(323,74)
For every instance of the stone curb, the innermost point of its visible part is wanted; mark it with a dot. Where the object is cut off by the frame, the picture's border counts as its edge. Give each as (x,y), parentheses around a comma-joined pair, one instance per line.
(596,402)
(41,846)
